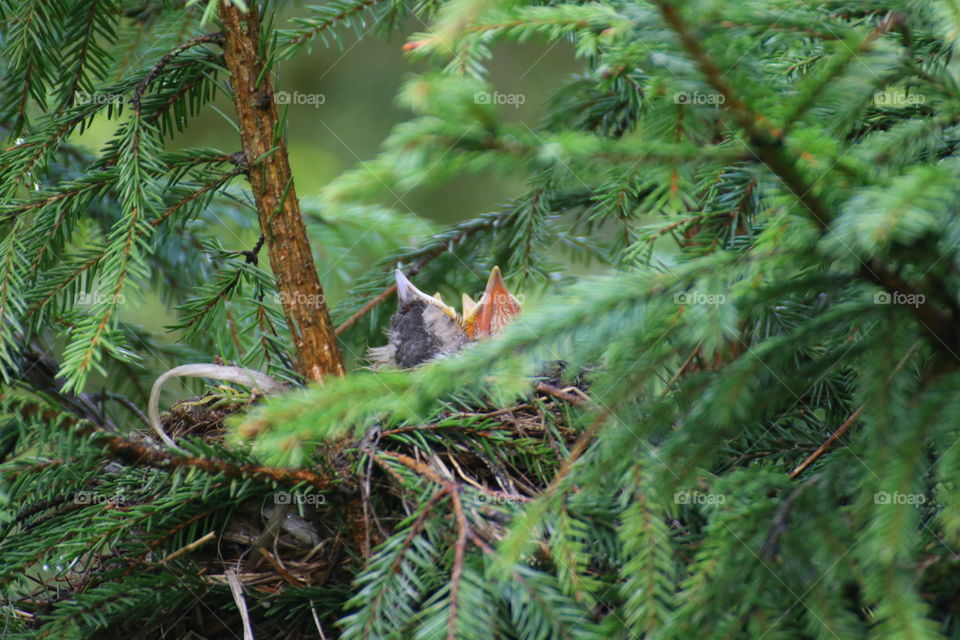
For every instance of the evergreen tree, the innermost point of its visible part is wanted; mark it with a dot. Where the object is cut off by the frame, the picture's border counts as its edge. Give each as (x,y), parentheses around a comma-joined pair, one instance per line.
(741,427)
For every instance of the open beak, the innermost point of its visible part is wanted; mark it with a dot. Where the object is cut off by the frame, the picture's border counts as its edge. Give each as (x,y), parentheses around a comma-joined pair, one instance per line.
(493,312)
(408,293)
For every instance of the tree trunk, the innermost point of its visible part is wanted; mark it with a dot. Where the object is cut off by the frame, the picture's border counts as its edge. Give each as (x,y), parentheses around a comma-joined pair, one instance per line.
(277,205)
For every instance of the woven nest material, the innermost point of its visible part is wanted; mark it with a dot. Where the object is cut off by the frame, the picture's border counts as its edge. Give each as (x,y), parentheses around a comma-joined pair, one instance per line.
(313,541)
(202,416)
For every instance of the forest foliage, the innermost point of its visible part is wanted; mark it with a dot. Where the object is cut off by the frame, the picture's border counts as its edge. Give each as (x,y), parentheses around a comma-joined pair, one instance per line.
(757,439)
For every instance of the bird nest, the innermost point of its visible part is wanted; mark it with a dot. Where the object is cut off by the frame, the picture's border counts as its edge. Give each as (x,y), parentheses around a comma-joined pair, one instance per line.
(316,538)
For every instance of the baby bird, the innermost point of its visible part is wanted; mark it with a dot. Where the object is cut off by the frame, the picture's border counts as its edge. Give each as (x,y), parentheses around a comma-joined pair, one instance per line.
(422,329)
(425,327)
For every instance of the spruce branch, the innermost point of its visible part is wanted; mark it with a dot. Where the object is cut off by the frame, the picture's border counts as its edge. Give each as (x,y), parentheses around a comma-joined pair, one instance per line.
(162,63)
(142,453)
(763,138)
(329,16)
(767,142)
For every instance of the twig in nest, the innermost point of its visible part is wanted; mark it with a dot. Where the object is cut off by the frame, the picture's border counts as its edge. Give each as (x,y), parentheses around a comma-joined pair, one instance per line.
(561,394)
(416,466)
(196,544)
(279,568)
(365,493)
(237,590)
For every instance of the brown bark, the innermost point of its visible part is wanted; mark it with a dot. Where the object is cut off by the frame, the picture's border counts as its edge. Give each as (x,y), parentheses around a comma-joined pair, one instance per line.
(277,205)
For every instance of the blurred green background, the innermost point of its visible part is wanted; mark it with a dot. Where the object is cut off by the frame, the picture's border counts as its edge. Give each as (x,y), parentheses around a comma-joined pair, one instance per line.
(359,84)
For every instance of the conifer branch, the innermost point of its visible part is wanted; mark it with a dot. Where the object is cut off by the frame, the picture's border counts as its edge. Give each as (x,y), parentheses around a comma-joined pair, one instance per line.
(769,146)
(141,453)
(217,38)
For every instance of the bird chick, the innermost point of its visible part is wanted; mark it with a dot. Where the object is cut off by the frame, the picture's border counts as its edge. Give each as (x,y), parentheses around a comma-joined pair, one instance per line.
(425,327)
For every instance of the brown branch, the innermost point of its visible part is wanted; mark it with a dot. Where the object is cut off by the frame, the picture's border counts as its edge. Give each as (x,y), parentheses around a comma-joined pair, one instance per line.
(271,181)
(560,394)
(365,309)
(849,422)
(683,367)
(673,225)
(143,453)
(417,467)
(137,453)
(836,435)
(459,552)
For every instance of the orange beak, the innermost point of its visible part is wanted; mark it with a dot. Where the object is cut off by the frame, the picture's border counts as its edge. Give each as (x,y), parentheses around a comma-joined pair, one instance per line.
(494,310)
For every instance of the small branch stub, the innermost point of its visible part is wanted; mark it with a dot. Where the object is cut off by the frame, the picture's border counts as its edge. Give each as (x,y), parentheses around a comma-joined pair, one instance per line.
(273,191)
